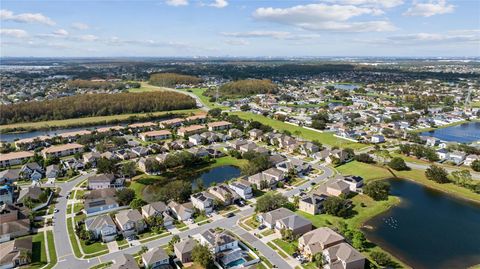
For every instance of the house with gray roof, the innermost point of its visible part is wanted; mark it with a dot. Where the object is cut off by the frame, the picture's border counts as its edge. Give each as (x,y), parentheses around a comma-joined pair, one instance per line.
(156,258)
(316,241)
(183,250)
(203,201)
(125,261)
(283,218)
(102,227)
(218,241)
(343,256)
(130,222)
(153,209)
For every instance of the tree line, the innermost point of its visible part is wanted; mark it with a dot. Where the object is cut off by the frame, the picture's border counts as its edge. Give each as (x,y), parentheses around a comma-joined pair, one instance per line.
(88,105)
(245,87)
(172,79)
(100,85)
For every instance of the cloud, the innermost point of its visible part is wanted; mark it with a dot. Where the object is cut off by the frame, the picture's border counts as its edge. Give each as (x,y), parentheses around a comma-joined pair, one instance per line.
(219,3)
(177,3)
(429,38)
(87,38)
(321,17)
(17,33)
(7,15)
(255,34)
(60,32)
(237,42)
(80,26)
(430,8)
(371,3)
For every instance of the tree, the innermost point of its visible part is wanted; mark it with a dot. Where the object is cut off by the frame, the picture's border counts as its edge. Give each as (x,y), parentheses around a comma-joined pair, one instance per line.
(476,165)
(256,165)
(364,158)
(137,203)
(245,107)
(381,258)
(336,206)
(437,174)
(318,259)
(28,202)
(270,201)
(287,235)
(175,239)
(359,241)
(129,169)
(215,112)
(201,255)
(177,190)
(105,165)
(319,125)
(462,178)
(125,196)
(378,190)
(398,164)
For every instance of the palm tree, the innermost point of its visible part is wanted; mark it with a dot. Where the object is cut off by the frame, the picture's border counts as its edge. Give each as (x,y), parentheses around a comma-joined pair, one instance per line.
(25,256)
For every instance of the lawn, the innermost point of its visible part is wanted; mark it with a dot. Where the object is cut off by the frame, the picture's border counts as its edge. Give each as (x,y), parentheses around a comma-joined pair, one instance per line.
(79,194)
(89,120)
(200,218)
(274,247)
(73,239)
(51,249)
(205,99)
(368,172)
(39,254)
(288,247)
(252,222)
(325,138)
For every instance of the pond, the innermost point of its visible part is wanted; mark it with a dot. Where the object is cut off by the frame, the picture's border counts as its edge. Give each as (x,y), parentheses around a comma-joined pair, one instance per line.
(219,174)
(463,133)
(429,229)
(346,86)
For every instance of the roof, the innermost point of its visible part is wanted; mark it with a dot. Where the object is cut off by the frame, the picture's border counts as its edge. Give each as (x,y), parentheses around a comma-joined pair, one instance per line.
(99,222)
(101,178)
(11,249)
(157,133)
(126,261)
(154,255)
(107,129)
(215,238)
(101,193)
(196,117)
(172,121)
(89,203)
(154,208)
(185,246)
(125,216)
(321,236)
(190,128)
(16,155)
(15,226)
(218,123)
(11,174)
(142,124)
(295,221)
(277,214)
(273,172)
(71,134)
(345,252)
(64,147)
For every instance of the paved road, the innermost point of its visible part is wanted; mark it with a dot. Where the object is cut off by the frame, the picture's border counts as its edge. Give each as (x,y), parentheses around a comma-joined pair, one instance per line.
(327,172)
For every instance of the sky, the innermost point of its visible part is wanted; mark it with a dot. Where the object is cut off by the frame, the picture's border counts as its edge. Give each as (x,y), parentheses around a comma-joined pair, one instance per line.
(239,28)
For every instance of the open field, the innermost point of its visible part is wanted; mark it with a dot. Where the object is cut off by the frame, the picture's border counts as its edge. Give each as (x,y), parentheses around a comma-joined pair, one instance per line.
(88,120)
(324,138)
(368,172)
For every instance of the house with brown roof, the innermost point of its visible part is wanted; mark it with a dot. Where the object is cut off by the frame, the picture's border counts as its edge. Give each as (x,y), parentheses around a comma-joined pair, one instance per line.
(14,222)
(125,261)
(283,218)
(343,256)
(318,240)
(311,204)
(196,118)
(155,135)
(171,123)
(129,222)
(333,187)
(14,158)
(181,211)
(75,134)
(219,125)
(190,130)
(13,252)
(62,150)
(142,126)
(183,250)
(224,194)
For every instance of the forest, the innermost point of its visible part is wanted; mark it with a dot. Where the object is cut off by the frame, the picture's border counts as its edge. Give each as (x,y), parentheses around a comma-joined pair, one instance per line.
(172,79)
(88,105)
(101,85)
(246,87)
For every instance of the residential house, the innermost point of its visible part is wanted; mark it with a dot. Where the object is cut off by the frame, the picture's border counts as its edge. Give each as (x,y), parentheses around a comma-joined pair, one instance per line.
(6,194)
(283,218)
(309,148)
(255,134)
(31,171)
(183,250)
(199,152)
(470,159)
(376,139)
(243,188)
(52,171)
(337,154)
(92,158)
(155,135)
(100,200)
(9,176)
(155,258)
(235,133)
(318,240)
(218,241)
(140,151)
(125,261)
(14,158)
(100,181)
(203,201)
(72,164)
(196,139)
(333,187)
(171,123)
(181,211)
(62,150)
(102,227)
(312,204)
(219,125)
(432,142)
(142,126)
(12,253)
(154,209)
(196,118)
(236,144)
(297,165)
(443,154)
(14,222)
(130,222)
(267,179)
(343,256)
(457,157)
(190,130)
(224,194)
(32,193)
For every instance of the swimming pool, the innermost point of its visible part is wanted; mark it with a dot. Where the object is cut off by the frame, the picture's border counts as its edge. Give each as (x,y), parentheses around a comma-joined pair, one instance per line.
(235,263)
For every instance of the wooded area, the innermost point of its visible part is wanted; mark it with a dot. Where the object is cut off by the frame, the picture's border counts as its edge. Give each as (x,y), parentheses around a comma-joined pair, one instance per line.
(94,105)
(104,85)
(246,87)
(172,79)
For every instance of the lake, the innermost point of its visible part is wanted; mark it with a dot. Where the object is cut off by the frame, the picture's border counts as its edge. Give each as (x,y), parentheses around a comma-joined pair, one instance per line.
(463,133)
(429,229)
(219,174)
(347,87)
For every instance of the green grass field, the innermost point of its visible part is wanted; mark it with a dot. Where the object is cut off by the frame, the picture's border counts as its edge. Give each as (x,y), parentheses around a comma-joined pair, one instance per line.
(324,138)
(88,120)
(368,172)
(39,254)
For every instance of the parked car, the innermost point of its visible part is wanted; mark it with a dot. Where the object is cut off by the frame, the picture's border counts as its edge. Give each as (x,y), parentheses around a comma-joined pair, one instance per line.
(261,227)
(229,215)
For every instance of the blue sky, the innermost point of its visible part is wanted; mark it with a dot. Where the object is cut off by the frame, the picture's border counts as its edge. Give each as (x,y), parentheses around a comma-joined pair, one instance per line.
(240,28)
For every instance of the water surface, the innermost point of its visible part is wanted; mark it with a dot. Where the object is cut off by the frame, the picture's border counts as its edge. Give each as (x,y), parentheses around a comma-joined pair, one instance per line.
(463,133)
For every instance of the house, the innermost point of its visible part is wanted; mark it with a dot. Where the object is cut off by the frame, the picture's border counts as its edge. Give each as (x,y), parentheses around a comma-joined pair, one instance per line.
(91,157)
(297,165)
(224,194)
(236,133)
(266,180)
(203,201)
(312,204)
(196,118)
(355,182)
(321,155)
(443,154)
(190,130)
(199,152)
(155,135)
(62,150)
(171,123)
(255,134)
(309,148)
(343,256)
(75,134)
(31,171)
(125,261)
(376,139)
(12,253)
(6,194)
(102,227)
(140,151)
(52,171)
(337,155)
(470,159)
(153,209)
(32,193)
(432,142)
(181,211)
(243,188)
(196,139)
(333,187)
(100,181)
(9,176)
(72,163)
(275,173)
(283,218)
(236,144)
(130,222)
(155,258)
(219,125)
(100,200)
(14,222)
(276,159)
(218,241)
(14,158)
(318,240)
(142,126)
(183,250)
(457,157)
(250,146)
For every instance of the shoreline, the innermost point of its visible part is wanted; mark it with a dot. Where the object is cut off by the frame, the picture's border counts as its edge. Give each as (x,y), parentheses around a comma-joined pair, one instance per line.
(422,130)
